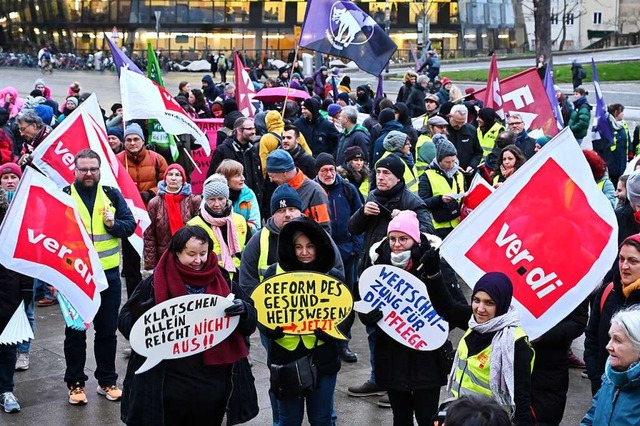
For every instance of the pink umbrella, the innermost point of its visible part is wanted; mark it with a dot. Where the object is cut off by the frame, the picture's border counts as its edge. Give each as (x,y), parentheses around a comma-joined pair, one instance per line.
(277,94)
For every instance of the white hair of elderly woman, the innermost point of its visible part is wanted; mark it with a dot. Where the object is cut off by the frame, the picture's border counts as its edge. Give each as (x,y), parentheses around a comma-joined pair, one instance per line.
(629,320)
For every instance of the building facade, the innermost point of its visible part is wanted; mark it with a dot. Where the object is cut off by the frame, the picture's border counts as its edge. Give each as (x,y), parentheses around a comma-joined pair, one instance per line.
(192,28)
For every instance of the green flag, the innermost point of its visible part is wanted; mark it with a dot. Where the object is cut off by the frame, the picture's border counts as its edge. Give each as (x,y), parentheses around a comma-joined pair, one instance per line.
(157,134)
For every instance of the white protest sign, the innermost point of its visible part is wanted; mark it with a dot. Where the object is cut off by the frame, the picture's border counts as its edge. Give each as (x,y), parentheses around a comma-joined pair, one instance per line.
(181,327)
(408,316)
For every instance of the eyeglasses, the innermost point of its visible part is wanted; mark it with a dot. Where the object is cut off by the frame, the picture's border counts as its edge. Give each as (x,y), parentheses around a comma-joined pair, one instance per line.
(92,170)
(23,128)
(248,128)
(399,240)
(327,171)
(515,123)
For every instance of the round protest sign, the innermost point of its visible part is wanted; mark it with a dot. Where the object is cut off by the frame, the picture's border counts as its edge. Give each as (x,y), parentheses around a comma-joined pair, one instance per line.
(181,327)
(301,302)
(408,316)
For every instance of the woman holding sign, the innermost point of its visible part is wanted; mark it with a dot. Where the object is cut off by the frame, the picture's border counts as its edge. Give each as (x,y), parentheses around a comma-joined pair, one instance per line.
(304,246)
(494,357)
(411,377)
(195,389)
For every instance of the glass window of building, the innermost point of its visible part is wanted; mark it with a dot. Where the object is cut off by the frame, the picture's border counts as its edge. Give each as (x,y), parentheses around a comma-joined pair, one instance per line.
(237,11)
(273,12)
(417,9)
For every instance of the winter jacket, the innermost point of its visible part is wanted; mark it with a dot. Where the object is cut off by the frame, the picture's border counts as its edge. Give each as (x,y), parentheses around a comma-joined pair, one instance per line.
(246,205)
(403,93)
(357,136)
(303,161)
(550,376)
(378,146)
(314,199)
(458,314)
(363,99)
(404,118)
(142,394)
(146,169)
(247,155)
(325,355)
(358,179)
(396,366)
(374,228)
(158,233)
(344,201)
(580,120)
(617,151)
(210,92)
(443,95)
(618,401)
(415,100)
(597,331)
(321,135)
(467,145)
(270,142)
(526,144)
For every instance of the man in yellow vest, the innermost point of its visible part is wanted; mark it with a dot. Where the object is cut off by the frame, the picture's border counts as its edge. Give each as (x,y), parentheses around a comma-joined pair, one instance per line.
(441,188)
(107,218)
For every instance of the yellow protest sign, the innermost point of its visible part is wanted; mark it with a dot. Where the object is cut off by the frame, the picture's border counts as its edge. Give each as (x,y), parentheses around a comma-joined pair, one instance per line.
(300,302)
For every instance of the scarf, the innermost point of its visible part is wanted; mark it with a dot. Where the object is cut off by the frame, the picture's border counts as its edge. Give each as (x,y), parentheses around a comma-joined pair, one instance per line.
(449,173)
(501,379)
(408,158)
(384,196)
(506,172)
(631,288)
(172,201)
(170,280)
(401,260)
(231,247)
(617,125)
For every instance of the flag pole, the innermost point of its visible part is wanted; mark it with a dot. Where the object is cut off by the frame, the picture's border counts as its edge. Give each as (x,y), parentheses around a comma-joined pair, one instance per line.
(295,60)
(192,160)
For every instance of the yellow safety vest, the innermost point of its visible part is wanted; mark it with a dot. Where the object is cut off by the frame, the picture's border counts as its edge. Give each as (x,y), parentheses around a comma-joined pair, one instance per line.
(601,184)
(106,244)
(364,188)
(239,222)
(263,260)
(421,166)
(472,374)
(410,174)
(625,126)
(291,342)
(489,139)
(440,186)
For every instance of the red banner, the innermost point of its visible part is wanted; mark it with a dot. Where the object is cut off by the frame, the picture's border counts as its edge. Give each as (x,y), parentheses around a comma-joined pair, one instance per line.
(524,93)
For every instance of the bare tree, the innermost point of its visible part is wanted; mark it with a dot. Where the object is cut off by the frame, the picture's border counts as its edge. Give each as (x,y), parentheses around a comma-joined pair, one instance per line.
(570,12)
(542,22)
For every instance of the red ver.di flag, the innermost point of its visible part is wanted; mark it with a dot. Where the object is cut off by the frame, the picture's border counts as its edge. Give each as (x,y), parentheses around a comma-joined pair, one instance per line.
(548,227)
(45,239)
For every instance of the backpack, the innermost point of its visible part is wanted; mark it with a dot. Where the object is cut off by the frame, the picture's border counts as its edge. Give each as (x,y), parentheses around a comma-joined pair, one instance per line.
(582,73)
(605,294)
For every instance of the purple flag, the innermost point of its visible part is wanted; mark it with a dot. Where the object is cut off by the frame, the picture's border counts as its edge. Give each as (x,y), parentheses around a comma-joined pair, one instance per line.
(600,128)
(380,88)
(553,99)
(340,28)
(120,59)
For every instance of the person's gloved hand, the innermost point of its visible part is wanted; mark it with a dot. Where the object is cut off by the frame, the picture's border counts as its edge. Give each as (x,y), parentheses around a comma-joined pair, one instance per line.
(275,334)
(371,318)
(430,262)
(323,335)
(238,308)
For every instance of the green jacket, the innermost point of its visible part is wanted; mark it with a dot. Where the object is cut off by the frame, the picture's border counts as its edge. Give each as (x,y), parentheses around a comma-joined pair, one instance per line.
(580,118)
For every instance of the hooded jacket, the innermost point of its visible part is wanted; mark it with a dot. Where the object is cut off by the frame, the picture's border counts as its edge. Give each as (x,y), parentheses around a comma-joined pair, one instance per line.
(363,99)
(325,355)
(404,118)
(580,118)
(321,135)
(210,92)
(415,100)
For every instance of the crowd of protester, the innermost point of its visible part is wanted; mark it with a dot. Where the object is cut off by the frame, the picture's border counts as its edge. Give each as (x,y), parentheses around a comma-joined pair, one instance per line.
(308,185)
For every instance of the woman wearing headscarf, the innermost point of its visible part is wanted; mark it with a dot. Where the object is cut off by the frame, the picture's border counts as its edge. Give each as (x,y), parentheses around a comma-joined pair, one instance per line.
(304,246)
(618,400)
(412,378)
(195,389)
(174,206)
(510,160)
(489,127)
(494,357)
(227,229)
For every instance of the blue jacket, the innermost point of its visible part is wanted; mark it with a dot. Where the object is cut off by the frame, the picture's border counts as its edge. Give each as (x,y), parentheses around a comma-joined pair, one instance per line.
(344,201)
(247,206)
(320,134)
(618,400)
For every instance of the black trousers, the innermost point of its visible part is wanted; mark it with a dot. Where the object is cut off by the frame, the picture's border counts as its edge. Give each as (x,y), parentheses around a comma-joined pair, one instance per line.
(423,403)
(130,266)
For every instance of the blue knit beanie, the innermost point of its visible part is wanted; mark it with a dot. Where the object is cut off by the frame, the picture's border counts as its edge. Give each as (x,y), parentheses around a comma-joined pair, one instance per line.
(279,161)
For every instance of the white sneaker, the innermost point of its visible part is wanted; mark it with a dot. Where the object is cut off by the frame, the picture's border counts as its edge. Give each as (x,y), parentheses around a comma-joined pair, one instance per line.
(22,363)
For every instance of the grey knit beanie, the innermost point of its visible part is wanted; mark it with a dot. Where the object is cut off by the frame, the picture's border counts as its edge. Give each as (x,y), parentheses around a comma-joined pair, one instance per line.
(444,148)
(215,186)
(394,141)
(633,188)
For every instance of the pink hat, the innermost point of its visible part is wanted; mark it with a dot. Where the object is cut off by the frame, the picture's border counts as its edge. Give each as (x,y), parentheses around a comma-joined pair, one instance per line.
(406,222)
(178,167)
(10,168)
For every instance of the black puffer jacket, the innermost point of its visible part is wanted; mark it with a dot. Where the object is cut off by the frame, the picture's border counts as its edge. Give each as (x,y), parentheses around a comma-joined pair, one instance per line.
(325,355)
(597,331)
(550,376)
(320,134)
(397,366)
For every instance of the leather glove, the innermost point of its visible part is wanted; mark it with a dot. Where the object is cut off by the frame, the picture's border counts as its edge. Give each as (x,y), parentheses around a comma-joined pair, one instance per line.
(322,335)
(275,334)
(430,262)
(238,308)
(371,318)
